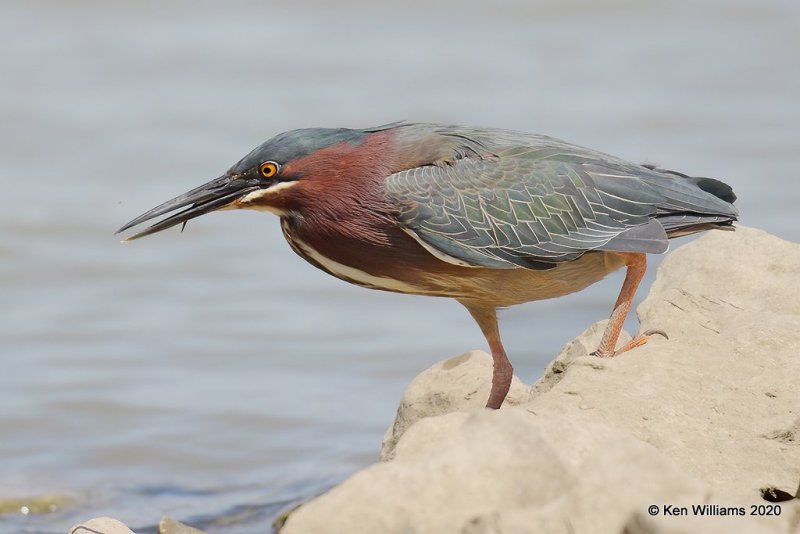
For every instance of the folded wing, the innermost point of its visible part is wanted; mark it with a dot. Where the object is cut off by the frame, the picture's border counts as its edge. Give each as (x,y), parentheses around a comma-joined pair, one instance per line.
(534,207)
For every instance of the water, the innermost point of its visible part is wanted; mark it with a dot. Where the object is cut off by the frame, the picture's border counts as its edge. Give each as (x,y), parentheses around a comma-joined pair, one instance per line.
(212,373)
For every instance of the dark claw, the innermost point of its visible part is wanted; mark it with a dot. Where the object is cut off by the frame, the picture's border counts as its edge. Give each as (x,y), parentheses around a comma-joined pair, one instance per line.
(654,331)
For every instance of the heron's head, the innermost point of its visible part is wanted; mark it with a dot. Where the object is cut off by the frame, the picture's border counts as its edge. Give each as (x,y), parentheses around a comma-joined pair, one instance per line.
(260,180)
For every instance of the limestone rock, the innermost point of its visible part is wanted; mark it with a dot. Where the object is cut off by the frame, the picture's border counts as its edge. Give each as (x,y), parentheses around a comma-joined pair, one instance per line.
(457,384)
(576,352)
(710,416)
(107,525)
(446,469)
(167,525)
(101,525)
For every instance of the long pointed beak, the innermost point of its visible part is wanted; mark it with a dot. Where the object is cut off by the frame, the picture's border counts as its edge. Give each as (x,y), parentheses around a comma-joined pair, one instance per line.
(214,195)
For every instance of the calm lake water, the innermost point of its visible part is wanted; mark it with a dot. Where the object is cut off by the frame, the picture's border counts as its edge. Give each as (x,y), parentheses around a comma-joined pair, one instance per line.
(213,374)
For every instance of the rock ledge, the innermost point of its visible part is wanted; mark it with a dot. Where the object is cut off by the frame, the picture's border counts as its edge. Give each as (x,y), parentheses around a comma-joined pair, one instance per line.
(709,417)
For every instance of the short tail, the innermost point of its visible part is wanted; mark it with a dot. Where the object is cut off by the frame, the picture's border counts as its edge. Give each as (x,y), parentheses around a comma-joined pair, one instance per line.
(686,220)
(715,187)
(678,225)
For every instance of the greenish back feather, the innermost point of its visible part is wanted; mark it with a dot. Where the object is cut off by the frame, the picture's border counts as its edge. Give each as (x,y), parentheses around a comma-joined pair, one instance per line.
(512,199)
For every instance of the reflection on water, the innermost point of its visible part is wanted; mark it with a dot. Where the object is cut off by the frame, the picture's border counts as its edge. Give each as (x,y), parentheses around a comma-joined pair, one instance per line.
(203,374)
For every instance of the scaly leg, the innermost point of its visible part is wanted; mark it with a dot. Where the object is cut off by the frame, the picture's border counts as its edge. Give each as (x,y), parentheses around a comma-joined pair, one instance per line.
(486,317)
(637,265)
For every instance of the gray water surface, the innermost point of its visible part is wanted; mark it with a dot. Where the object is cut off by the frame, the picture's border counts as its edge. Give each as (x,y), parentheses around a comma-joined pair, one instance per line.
(214,373)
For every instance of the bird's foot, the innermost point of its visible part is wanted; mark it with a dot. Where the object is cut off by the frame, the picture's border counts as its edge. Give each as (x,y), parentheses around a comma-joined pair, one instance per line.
(637,341)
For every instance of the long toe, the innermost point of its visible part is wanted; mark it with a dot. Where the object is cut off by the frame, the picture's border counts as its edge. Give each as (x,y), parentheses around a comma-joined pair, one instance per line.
(637,341)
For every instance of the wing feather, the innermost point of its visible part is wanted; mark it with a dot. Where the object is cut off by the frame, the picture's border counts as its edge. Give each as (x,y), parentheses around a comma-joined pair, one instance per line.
(537,206)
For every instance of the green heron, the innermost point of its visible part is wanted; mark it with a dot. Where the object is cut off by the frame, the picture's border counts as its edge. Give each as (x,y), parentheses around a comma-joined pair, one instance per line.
(489,217)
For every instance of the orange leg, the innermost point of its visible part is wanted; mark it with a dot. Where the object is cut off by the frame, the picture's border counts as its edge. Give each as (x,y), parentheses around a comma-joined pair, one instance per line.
(637,265)
(486,317)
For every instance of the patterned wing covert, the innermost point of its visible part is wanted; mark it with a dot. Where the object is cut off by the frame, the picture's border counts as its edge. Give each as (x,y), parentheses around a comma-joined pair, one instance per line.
(528,207)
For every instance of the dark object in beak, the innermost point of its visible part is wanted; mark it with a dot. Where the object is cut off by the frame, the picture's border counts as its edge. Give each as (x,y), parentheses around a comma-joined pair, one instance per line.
(208,197)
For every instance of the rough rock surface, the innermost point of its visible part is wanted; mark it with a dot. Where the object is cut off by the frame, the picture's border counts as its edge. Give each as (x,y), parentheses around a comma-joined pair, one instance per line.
(451,385)
(101,525)
(107,525)
(710,416)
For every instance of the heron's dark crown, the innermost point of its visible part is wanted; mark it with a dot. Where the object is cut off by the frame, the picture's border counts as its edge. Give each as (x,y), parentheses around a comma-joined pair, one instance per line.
(295,144)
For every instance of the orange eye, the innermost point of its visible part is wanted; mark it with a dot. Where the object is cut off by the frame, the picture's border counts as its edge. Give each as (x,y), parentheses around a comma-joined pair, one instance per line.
(268,169)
